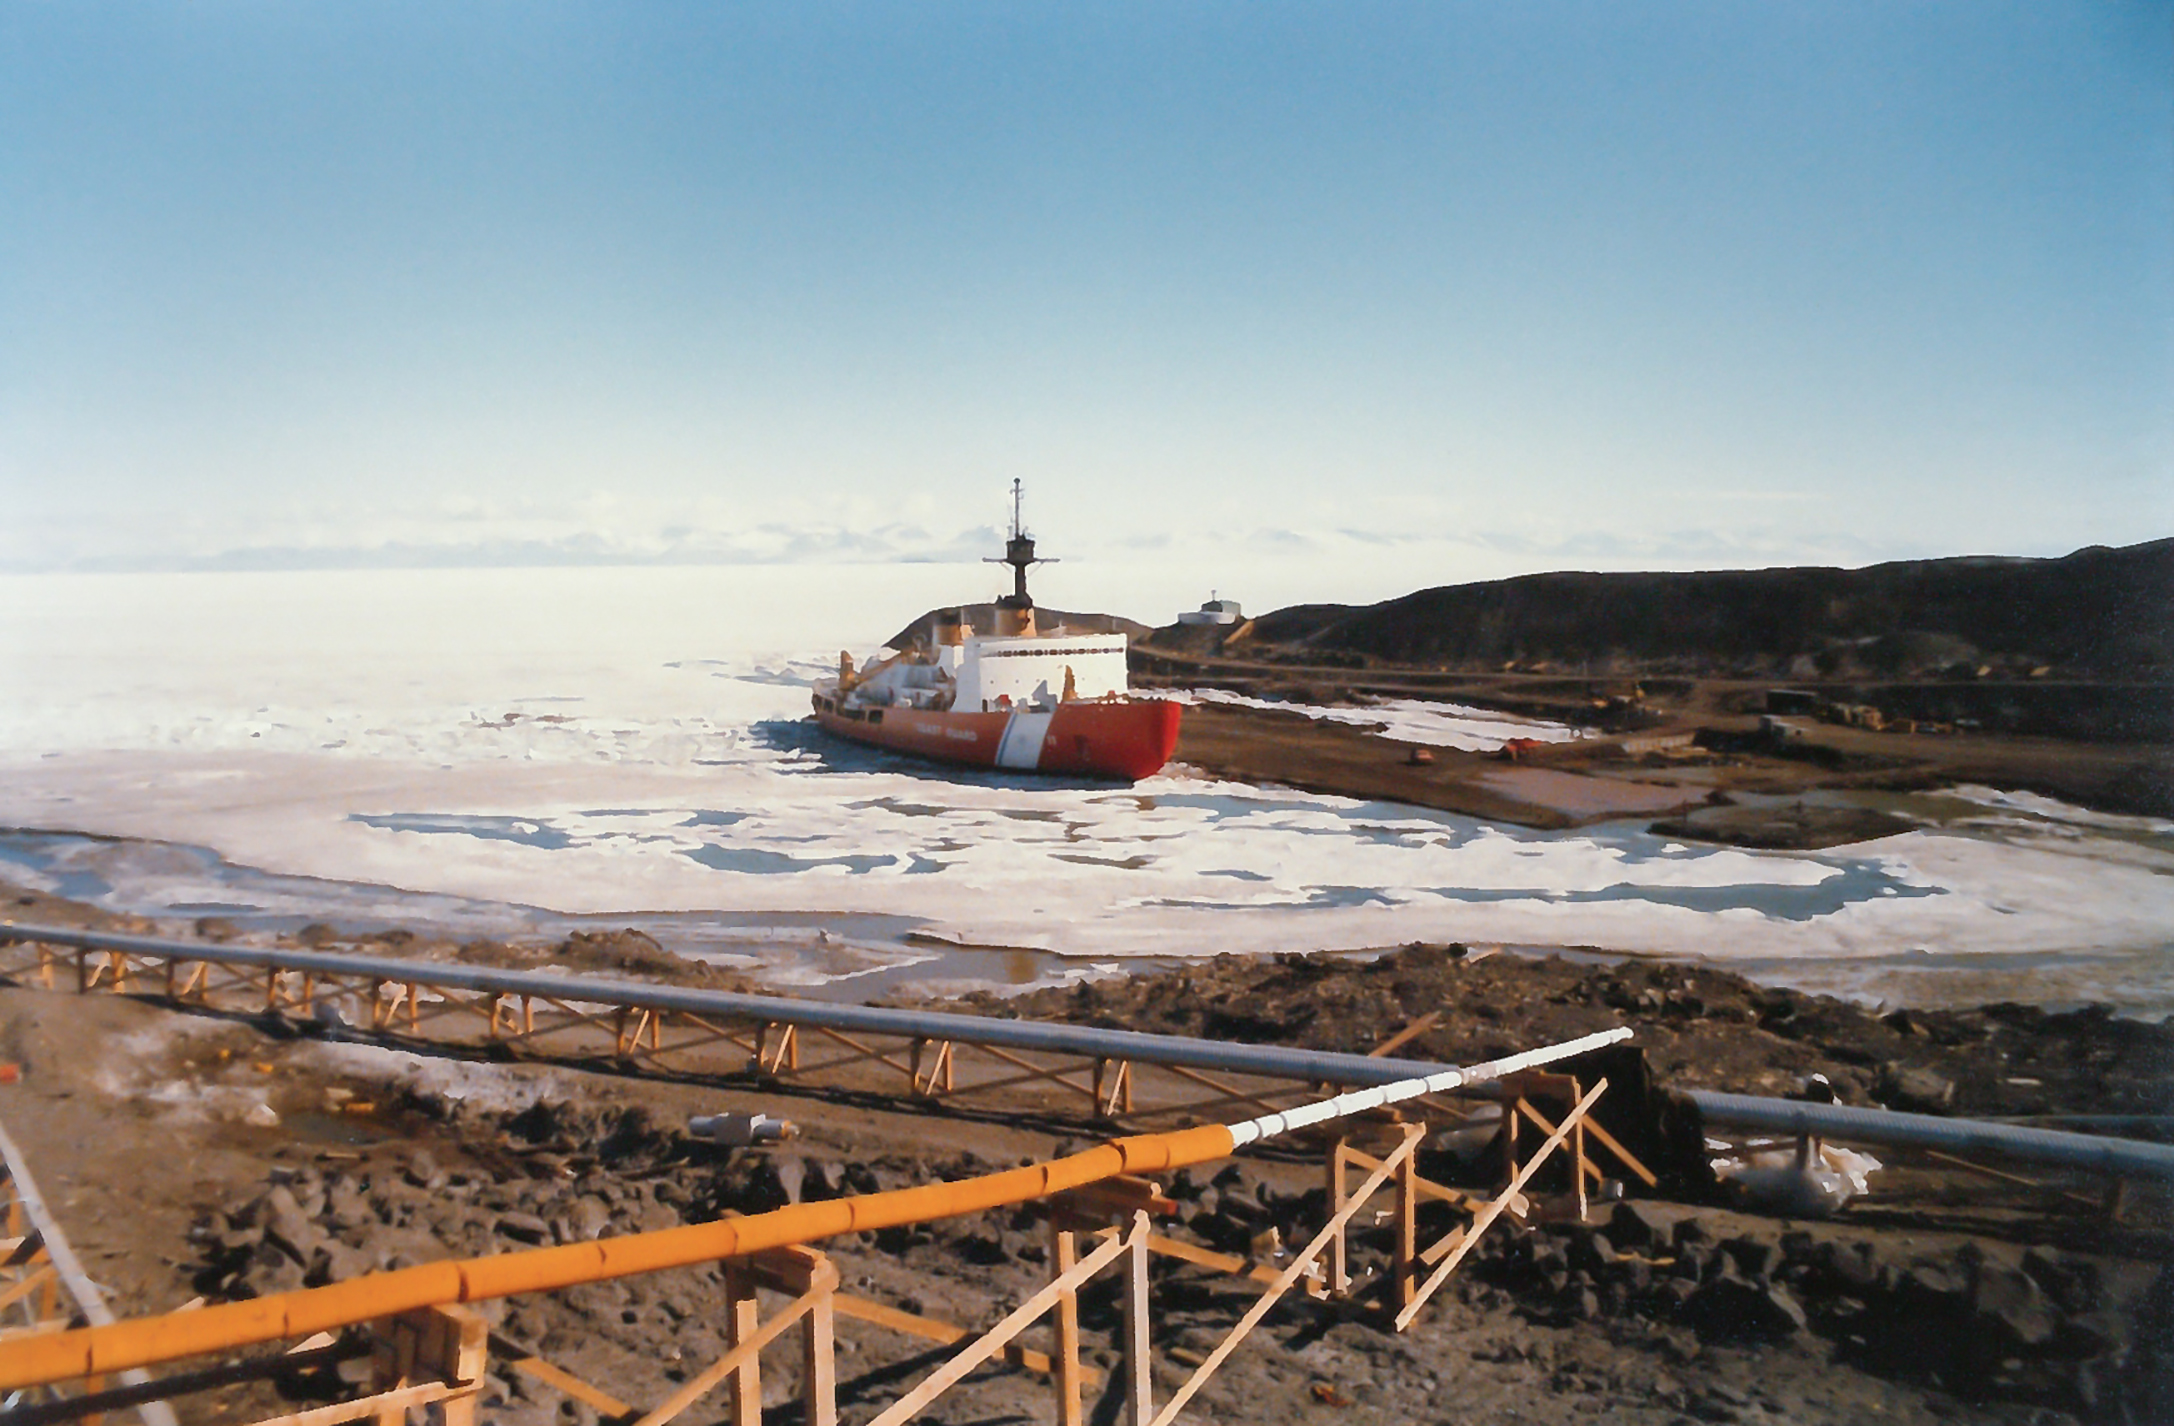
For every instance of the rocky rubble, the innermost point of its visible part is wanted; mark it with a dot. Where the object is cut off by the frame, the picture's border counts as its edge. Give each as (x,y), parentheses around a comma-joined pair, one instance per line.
(1700,1027)
(554,1174)
(1980,1323)
(2065,1332)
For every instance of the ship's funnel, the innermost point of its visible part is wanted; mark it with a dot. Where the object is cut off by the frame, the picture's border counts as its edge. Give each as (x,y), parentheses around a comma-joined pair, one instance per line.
(1015,617)
(951,629)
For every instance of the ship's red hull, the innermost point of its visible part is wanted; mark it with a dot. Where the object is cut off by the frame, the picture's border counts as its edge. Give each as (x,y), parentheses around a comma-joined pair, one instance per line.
(1127,739)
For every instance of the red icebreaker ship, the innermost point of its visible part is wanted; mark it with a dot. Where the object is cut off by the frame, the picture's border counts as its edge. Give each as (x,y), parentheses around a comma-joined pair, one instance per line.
(1024,698)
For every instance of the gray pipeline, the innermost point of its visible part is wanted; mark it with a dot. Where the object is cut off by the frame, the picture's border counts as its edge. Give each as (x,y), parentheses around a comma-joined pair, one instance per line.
(2128,1158)
(2123,1158)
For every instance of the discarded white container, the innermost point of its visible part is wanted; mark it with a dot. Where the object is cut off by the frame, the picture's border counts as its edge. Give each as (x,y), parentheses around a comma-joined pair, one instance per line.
(1774,1181)
(740,1129)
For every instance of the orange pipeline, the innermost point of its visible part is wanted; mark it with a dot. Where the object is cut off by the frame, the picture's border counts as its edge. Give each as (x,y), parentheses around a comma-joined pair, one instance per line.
(147,1341)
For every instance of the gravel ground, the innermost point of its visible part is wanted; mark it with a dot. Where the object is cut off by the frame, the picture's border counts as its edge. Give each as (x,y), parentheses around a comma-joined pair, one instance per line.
(1944,1294)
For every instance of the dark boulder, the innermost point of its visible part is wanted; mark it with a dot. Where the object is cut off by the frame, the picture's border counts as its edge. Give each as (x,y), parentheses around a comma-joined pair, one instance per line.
(1730,1308)
(2008,1311)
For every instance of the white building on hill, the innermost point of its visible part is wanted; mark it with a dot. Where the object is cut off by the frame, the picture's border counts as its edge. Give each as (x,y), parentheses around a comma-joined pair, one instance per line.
(1215,611)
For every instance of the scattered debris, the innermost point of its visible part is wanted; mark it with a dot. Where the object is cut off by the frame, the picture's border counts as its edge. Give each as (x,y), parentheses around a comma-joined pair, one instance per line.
(1796,1184)
(741,1129)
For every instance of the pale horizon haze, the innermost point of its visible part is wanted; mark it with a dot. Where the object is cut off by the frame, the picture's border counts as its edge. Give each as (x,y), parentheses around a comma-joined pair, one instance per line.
(1296,301)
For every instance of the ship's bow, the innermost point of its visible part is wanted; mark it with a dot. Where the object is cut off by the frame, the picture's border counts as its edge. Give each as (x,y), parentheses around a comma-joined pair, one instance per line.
(1129,738)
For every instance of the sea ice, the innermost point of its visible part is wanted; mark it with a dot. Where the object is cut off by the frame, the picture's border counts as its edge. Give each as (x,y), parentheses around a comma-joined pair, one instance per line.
(632,741)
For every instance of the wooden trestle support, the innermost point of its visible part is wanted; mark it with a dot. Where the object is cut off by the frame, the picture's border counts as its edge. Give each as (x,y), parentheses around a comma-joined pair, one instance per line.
(436,1357)
(422,1009)
(43,1289)
(1101,1228)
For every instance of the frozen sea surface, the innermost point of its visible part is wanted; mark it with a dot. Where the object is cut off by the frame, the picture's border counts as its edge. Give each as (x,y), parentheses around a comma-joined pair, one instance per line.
(544,748)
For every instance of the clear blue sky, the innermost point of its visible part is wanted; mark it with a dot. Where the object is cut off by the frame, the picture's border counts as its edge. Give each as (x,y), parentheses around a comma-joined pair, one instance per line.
(1496,285)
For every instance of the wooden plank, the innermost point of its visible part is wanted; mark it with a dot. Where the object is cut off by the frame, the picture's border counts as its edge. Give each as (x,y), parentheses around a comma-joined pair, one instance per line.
(867,1050)
(1115,1197)
(1406,1035)
(1209,1258)
(380,1406)
(786,1056)
(1629,1160)
(1196,1108)
(1337,1278)
(2014,1178)
(935,1329)
(1426,1187)
(1055,1074)
(985,1346)
(1434,1252)
(1607,1141)
(30,1248)
(573,1386)
(1230,1092)
(743,1322)
(1139,1327)
(990,1086)
(1495,1209)
(1405,1264)
(705,1381)
(1063,1257)
(738,1038)
(819,1361)
(1259,1309)
(792,1269)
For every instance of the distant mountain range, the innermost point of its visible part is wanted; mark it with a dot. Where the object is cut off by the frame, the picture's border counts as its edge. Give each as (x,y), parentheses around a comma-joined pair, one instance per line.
(2097,613)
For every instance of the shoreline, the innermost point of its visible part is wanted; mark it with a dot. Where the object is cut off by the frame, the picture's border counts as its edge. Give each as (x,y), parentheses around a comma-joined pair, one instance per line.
(1706,1025)
(866,957)
(1638,759)
(853,955)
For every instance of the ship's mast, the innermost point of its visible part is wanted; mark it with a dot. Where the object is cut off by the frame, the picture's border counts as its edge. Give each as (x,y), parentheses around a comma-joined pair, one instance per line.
(1019,554)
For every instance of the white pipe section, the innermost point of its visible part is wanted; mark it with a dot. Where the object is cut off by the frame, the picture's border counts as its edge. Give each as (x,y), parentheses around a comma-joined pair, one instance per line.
(1359,1101)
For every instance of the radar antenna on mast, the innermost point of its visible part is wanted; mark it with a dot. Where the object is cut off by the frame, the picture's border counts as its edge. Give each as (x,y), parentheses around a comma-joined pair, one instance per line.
(1019,554)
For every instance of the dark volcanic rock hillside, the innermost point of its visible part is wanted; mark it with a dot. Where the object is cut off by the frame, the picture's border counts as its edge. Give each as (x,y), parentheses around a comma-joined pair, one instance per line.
(2097,613)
